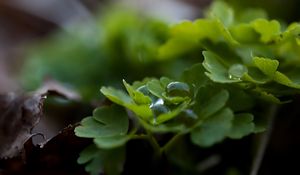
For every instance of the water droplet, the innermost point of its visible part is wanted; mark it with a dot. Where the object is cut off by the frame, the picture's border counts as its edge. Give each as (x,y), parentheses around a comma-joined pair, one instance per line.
(236,71)
(143,89)
(231,77)
(159,108)
(157,102)
(178,89)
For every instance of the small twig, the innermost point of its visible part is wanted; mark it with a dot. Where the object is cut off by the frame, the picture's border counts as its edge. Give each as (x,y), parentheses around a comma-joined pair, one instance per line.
(264,141)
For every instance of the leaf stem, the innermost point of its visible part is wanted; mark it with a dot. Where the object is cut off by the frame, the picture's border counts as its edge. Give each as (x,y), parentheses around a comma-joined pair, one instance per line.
(264,141)
(170,143)
(154,144)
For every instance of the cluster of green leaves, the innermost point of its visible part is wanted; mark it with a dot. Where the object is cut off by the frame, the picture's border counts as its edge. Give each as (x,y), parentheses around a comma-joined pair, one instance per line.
(193,106)
(252,52)
(244,60)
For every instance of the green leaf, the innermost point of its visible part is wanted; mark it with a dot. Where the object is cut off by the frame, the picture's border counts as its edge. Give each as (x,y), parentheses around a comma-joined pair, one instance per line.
(138,97)
(87,154)
(182,40)
(259,129)
(188,36)
(185,29)
(106,121)
(268,30)
(256,76)
(244,33)
(242,125)
(175,100)
(100,161)
(267,66)
(284,80)
(114,118)
(187,117)
(215,31)
(121,98)
(214,129)
(195,76)
(112,141)
(209,100)
(217,71)
(177,47)
(222,11)
(165,81)
(94,166)
(138,84)
(89,128)
(92,157)
(240,100)
(116,96)
(142,111)
(155,87)
(170,115)
(266,96)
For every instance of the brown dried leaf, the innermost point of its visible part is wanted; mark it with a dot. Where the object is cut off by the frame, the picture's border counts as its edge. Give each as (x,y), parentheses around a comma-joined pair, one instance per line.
(18,114)
(57,156)
(52,87)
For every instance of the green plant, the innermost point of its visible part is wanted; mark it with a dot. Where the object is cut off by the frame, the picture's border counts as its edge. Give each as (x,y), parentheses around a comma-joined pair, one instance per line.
(241,67)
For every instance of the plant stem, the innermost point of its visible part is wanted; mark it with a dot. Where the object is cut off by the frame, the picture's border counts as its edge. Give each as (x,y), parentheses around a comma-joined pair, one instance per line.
(264,141)
(139,137)
(154,144)
(149,136)
(170,143)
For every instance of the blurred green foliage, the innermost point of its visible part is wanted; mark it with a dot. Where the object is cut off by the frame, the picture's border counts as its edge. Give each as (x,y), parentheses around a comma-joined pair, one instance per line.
(122,44)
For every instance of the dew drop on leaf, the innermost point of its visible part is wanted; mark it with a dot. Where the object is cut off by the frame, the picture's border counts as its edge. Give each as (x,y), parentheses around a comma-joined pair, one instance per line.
(159,108)
(143,89)
(178,89)
(236,71)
